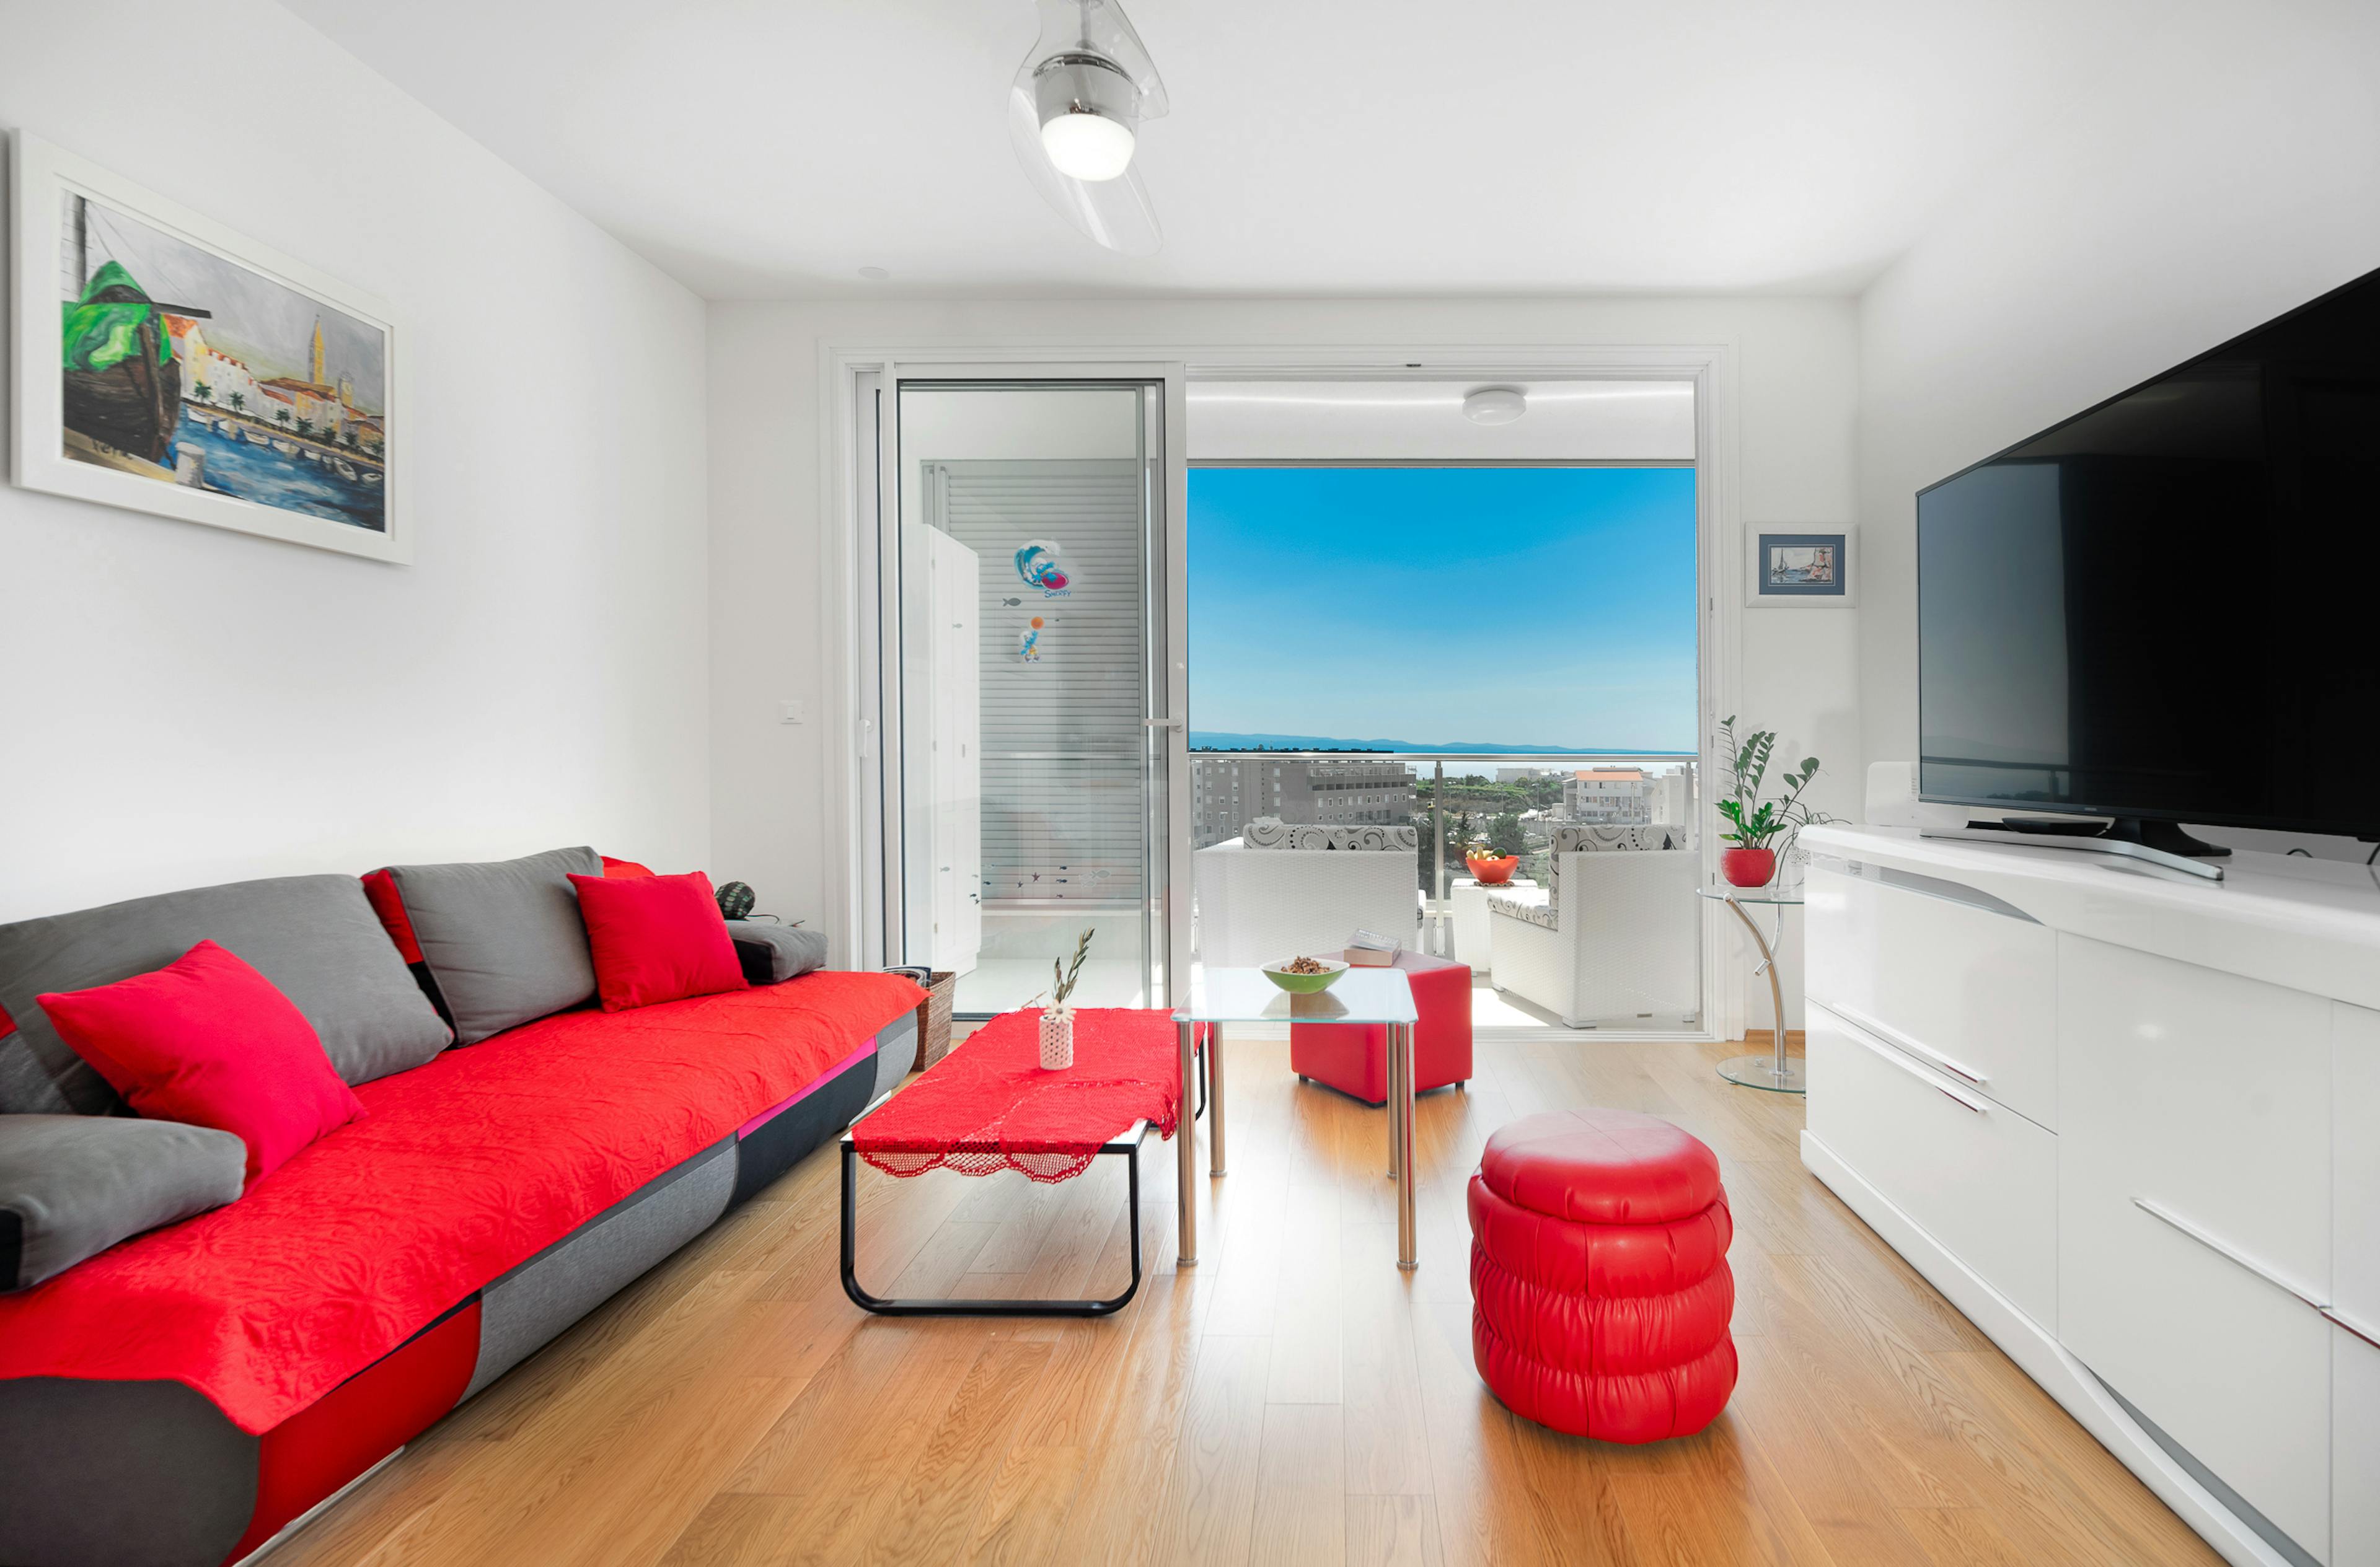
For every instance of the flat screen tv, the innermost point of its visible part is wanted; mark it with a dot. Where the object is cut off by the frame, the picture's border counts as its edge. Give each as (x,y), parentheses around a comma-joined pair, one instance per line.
(2166,609)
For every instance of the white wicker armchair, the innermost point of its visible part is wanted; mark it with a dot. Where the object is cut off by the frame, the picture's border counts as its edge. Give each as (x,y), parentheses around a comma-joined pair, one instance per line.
(1616,941)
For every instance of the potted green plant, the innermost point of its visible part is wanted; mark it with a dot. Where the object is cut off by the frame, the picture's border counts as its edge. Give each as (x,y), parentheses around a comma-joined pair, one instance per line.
(1058,1019)
(1759,828)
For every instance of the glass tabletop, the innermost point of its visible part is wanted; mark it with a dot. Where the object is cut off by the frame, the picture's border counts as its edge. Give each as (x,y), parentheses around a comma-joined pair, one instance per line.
(1752,895)
(1244,996)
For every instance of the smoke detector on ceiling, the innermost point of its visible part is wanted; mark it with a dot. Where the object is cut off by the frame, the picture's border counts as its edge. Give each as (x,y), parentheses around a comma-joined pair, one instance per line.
(1494,406)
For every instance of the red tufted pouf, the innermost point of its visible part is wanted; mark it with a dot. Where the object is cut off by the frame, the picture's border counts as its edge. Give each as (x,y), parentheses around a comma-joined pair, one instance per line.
(1599,1285)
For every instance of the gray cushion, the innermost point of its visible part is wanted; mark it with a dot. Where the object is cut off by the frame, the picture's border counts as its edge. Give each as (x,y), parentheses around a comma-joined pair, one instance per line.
(73,1185)
(771,953)
(315,937)
(502,938)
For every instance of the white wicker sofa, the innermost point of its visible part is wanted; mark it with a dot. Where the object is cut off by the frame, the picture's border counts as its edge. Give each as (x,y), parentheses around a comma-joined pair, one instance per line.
(1616,941)
(1285,890)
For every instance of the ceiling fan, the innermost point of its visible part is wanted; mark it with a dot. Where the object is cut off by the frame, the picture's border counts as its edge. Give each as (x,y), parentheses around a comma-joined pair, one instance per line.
(1074,114)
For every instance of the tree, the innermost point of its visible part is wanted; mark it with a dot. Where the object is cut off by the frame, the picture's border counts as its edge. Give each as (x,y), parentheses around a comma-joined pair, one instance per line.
(1504,834)
(305,427)
(238,400)
(205,393)
(280,418)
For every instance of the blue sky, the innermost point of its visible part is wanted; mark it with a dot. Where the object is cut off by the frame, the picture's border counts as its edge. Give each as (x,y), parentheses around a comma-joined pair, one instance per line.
(1514,606)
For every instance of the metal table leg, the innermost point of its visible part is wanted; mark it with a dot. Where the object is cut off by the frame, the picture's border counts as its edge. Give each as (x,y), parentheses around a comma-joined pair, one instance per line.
(1185,1138)
(1215,1098)
(1775,1073)
(1400,1100)
(1129,1146)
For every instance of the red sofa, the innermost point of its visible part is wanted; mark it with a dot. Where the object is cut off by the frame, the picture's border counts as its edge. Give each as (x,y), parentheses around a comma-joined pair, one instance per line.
(179,1399)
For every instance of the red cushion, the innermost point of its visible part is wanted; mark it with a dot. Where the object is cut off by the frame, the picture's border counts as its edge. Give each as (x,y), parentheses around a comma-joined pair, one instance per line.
(623,868)
(1601,1166)
(380,891)
(208,1041)
(656,938)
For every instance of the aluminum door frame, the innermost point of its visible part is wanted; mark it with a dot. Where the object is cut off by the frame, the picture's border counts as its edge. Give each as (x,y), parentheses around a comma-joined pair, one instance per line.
(1165,674)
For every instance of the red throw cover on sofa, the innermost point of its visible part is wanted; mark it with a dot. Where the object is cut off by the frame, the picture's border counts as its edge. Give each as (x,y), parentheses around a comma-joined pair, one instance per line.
(465,1168)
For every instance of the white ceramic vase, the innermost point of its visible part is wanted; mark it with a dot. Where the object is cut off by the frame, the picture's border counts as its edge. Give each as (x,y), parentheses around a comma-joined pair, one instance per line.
(1057,1039)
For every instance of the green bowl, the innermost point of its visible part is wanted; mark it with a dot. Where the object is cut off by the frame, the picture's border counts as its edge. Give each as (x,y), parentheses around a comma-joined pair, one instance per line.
(1306,984)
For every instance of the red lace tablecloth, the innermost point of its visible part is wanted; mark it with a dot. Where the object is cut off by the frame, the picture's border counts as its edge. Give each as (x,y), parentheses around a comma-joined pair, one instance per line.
(987,1106)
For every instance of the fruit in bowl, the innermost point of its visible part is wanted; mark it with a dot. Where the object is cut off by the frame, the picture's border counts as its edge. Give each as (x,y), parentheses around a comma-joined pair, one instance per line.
(1304,976)
(1491,869)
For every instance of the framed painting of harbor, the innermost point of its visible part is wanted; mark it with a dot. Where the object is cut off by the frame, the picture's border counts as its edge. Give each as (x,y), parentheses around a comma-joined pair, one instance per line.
(1801,569)
(167,365)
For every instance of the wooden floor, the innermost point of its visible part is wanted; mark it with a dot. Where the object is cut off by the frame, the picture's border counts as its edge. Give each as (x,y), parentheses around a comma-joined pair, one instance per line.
(1291,1399)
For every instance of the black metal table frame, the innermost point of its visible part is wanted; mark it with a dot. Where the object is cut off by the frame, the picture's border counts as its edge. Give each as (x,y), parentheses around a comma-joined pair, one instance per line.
(1127,1144)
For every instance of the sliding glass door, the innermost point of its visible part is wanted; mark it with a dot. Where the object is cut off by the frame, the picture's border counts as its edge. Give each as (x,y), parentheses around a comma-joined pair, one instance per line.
(1021,603)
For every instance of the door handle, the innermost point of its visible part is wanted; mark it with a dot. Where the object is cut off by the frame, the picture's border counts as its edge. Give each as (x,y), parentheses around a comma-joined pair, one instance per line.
(1165,723)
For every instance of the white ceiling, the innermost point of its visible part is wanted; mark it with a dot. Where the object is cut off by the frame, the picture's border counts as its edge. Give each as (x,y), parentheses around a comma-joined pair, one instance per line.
(767,149)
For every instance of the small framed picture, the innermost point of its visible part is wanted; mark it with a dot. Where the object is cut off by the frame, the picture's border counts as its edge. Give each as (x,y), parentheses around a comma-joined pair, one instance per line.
(1800,569)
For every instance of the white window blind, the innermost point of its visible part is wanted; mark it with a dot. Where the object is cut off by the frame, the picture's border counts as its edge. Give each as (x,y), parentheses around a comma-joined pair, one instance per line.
(1065,806)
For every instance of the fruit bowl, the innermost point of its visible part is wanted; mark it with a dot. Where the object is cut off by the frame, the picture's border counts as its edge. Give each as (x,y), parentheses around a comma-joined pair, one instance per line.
(1491,869)
(1305,984)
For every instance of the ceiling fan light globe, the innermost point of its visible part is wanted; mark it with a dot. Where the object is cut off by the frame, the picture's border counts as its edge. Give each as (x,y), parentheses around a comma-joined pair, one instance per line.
(1087,146)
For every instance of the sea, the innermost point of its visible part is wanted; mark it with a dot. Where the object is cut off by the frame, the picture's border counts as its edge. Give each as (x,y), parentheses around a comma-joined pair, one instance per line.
(241,469)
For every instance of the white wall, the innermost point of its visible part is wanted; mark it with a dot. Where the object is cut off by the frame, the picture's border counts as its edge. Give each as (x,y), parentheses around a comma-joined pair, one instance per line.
(184,704)
(2226,175)
(1796,367)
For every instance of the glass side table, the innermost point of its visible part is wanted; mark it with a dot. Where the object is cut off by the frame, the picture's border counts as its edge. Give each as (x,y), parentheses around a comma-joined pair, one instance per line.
(1775,1072)
(1244,996)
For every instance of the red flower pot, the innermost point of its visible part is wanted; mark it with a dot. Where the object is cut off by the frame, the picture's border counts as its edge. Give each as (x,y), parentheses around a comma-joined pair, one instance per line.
(1492,873)
(1747,867)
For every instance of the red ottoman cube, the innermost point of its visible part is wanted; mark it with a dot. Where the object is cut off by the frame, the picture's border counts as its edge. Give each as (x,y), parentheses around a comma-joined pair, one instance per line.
(1353,1057)
(1599,1286)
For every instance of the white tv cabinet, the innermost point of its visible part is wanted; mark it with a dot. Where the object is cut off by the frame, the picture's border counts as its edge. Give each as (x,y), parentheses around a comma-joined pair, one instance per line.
(2129,1122)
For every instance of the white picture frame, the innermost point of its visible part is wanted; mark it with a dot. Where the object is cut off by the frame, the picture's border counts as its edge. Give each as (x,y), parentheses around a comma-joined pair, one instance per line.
(1794,542)
(325,471)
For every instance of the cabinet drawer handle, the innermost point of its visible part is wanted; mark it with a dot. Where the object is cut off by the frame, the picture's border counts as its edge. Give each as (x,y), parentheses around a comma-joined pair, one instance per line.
(2224,1250)
(2370,1335)
(1893,1058)
(1934,1057)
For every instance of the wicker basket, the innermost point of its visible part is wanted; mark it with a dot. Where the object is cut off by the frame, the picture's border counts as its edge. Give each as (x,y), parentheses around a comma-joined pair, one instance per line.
(934,1018)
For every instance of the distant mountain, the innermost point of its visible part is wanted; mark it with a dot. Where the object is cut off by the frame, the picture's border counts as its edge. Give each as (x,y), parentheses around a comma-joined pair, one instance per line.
(1224,739)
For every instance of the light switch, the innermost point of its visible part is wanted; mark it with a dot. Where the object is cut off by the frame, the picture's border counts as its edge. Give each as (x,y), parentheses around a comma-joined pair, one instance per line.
(795,712)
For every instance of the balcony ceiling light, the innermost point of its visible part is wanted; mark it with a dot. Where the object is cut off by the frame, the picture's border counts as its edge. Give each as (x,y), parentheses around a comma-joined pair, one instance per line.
(1494,406)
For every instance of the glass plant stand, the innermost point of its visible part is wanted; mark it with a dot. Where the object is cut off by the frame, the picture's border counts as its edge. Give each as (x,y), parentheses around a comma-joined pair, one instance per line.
(1775,1072)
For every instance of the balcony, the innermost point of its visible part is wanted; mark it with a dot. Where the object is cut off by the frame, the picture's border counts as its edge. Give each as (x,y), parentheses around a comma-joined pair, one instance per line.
(1618,950)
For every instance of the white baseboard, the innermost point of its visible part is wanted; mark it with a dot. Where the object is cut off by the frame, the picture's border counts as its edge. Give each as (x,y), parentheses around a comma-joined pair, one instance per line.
(2046,1361)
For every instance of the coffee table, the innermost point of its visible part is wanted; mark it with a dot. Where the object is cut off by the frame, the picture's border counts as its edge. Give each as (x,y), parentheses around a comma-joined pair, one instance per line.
(989,1105)
(1244,995)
